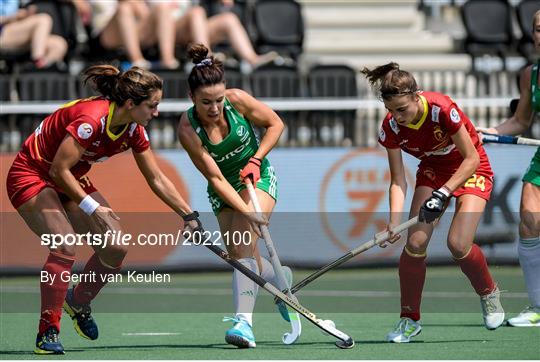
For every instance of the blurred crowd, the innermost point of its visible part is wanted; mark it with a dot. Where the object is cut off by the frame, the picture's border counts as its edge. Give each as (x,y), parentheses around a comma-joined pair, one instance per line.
(145,33)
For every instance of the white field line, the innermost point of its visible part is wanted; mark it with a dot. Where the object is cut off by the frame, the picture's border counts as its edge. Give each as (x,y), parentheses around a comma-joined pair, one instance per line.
(307,293)
(152,334)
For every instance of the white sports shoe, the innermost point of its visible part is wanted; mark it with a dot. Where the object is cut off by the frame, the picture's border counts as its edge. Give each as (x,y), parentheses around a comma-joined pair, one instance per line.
(492,309)
(529,317)
(404,331)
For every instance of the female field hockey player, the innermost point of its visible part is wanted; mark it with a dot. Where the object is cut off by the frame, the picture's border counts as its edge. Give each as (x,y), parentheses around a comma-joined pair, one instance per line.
(528,109)
(48,187)
(432,128)
(217,134)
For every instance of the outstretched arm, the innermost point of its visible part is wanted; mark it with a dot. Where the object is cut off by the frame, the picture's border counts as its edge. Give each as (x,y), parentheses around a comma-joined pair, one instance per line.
(210,170)
(208,167)
(522,118)
(398,184)
(159,183)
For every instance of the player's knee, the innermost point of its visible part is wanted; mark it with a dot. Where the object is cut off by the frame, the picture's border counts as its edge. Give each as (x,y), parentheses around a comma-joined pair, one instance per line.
(43,19)
(239,252)
(529,225)
(197,12)
(458,246)
(230,19)
(416,245)
(124,8)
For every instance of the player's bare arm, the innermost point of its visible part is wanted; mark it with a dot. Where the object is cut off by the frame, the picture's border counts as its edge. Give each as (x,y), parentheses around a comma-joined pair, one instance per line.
(523,117)
(397,191)
(261,116)
(210,170)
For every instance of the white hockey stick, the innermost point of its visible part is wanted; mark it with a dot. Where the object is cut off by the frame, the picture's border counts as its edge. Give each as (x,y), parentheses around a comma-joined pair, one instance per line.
(294,318)
(377,240)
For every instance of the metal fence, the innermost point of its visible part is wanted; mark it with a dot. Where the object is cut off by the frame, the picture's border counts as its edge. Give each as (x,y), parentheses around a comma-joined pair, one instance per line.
(311,122)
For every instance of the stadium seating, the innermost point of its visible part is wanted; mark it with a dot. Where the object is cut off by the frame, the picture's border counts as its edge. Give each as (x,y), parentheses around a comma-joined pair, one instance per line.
(489,28)
(332,128)
(524,12)
(279,26)
(273,81)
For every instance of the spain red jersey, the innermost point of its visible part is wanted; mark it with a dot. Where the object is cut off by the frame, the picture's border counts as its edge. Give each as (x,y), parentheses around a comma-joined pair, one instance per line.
(429,140)
(88,121)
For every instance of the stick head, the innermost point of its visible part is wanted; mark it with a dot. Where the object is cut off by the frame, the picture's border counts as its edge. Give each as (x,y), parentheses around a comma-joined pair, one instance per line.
(289,338)
(345,344)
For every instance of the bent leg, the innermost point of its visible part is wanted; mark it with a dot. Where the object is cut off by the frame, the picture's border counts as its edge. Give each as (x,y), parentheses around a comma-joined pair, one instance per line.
(192,27)
(228,26)
(56,49)
(469,256)
(31,32)
(245,251)
(44,215)
(161,29)
(122,31)
(412,265)
(105,261)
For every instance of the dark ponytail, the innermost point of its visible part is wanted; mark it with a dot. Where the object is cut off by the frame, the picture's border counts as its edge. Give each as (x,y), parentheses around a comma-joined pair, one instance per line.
(389,81)
(137,84)
(207,70)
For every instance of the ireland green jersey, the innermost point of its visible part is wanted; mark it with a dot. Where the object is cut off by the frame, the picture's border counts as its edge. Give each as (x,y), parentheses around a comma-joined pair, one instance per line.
(233,153)
(533,172)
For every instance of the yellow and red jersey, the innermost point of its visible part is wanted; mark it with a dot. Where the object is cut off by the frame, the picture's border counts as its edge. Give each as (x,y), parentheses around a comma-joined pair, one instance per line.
(430,139)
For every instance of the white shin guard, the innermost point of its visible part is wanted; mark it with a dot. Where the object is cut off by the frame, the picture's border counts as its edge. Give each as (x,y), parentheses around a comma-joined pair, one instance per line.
(529,258)
(245,291)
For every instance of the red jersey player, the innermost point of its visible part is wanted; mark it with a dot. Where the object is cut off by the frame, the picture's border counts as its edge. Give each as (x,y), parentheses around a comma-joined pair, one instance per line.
(47,182)
(432,128)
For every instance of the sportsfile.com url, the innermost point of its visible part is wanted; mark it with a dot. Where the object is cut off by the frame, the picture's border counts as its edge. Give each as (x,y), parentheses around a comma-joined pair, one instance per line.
(120,238)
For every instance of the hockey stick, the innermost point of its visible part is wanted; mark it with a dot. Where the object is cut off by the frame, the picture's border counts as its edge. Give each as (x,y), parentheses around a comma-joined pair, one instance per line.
(379,238)
(515,140)
(344,342)
(294,318)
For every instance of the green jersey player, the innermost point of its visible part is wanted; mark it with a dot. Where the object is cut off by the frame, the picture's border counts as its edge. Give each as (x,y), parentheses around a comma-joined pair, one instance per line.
(527,111)
(217,134)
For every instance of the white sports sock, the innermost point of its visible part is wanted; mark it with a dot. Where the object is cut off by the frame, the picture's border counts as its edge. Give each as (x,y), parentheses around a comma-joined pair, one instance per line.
(245,291)
(267,272)
(529,258)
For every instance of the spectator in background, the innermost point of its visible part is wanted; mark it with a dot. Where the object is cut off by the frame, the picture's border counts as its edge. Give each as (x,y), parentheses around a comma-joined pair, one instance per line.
(23,29)
(192,26)
(132,25)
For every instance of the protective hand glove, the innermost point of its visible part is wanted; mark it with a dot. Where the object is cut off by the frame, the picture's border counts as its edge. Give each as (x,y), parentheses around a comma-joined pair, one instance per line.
(252,170)
(192,227)
(433,207)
